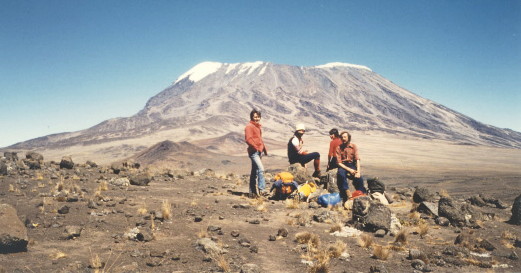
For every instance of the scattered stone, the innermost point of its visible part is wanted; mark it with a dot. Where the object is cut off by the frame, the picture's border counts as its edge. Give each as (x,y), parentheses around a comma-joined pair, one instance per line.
(198,219)
(476,200)
(324,216)
(140,179)
(422,194)
(419,265)
(66,163)
(244,242)
(283,232)
(13,233)
(300,174)
(34,156)
(11,156)
(415,254)
(486,244)
(515,219)
(380,233)
(272,238)
(448,208)
(254,221)
(235,233)
(378,217)
(3,168)
(120,181)
(442,221)
(254,249)
(63,210)
(429,208)
(213,229)
(72,232)
(375,185)
(145,235)
(378,269)
(209,246)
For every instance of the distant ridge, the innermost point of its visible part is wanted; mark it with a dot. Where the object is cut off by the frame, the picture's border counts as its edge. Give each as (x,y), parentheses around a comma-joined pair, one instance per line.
(214,99)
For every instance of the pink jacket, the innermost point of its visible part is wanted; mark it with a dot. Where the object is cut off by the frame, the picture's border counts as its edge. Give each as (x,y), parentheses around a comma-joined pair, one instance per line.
(253,137)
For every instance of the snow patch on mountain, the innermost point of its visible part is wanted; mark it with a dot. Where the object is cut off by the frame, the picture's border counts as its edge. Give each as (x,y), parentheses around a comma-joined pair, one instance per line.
(337,64)
(200,71)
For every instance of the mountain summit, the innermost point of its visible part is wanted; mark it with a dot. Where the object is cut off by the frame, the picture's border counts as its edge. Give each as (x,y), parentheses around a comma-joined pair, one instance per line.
(214,99)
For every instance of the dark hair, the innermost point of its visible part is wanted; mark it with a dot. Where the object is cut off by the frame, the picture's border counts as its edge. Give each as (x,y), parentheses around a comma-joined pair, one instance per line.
(253,112)
(334,131)
(348,136)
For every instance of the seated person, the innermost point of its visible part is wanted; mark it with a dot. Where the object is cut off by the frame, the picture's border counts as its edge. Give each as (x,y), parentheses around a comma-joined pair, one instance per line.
(296,153)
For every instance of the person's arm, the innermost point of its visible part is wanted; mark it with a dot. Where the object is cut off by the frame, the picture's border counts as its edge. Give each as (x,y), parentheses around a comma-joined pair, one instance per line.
(343,166)
(296,143)
(358,172)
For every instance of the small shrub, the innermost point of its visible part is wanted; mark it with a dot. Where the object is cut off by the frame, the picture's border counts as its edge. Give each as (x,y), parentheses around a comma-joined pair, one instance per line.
(292,203)
(402,237)
(381,253)
(308,238)
(166,209)
(423,229)
(336,227)
(335,250)
(365,240)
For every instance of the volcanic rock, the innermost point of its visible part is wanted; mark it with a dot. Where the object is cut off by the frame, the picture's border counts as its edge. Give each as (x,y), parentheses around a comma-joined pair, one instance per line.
(13,233)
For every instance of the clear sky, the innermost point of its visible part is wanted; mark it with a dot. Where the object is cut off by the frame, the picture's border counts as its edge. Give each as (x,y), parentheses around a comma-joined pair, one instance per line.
(68,65)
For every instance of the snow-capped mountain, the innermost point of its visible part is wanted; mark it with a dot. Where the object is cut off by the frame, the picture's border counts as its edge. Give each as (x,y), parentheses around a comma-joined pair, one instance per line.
(214,99)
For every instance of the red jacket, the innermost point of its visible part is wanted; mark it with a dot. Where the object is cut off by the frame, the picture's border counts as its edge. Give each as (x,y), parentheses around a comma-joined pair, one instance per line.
(253,137)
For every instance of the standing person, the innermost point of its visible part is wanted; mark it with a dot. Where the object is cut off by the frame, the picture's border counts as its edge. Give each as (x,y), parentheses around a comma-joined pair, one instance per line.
(348,167)
(253,137)
(335,142)
(296,153)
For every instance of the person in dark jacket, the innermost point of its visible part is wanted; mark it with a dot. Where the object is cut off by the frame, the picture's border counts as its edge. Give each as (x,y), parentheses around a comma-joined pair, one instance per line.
(296,153)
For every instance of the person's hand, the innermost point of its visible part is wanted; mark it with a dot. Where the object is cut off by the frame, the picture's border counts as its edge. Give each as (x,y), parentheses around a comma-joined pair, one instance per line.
(357,174)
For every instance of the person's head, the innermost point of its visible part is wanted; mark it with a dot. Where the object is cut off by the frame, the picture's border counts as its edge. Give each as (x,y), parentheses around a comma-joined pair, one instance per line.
(333,133)
(345,136)
(255,115)
(300,129)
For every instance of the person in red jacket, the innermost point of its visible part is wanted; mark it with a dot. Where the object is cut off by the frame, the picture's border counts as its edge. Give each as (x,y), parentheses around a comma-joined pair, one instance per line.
(335,142)
(253,137)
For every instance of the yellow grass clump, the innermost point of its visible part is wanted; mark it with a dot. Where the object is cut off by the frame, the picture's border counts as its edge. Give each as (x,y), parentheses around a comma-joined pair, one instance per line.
(166,209)
(381,253)
(335,250)
(402,237)
(308,238)
(292,203)
(365,240)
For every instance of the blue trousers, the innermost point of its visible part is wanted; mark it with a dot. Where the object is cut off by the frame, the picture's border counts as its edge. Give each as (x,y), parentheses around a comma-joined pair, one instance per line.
(257,172)
(344,175)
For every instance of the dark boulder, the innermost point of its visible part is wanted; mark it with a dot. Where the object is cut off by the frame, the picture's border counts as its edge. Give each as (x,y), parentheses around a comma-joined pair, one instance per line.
(66,163)
(515,219)
(422,194)
(13,233)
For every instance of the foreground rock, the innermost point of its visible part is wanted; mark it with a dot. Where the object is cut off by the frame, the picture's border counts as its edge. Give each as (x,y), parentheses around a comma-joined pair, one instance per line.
(13,234)
(516,212)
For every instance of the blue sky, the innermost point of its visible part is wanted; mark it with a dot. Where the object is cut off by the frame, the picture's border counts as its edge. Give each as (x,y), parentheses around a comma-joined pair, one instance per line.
(68,65)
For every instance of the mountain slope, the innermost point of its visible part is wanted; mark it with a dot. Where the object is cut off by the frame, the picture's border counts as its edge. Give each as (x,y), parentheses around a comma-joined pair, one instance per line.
(214,99)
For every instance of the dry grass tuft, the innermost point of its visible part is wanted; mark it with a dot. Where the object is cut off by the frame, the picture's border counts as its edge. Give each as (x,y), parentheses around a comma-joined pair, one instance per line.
(402,237)
(336,227)
(166,209)
(57,255)
(193,203)
(103,186)
(11,188)
(381,253)
(365,240)
(221,261)
(335,250)
(308,238)
(507,235)
(423,229)
(320,263)
(202,234)
(142,210)
(292,203)
(303,219)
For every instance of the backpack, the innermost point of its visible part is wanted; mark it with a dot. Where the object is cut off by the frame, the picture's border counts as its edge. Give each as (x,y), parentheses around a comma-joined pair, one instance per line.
(306,189)
(329,199)
(284,185)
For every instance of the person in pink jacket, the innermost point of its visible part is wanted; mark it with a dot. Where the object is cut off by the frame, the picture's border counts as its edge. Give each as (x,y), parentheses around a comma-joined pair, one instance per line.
(253,137)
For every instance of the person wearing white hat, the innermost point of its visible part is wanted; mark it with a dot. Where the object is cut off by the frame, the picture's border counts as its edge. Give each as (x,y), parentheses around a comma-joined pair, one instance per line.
(296,153)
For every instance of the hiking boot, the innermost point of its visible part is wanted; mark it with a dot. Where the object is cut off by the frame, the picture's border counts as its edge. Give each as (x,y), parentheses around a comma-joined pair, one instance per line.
(265,193)
(252,195)
(316,174)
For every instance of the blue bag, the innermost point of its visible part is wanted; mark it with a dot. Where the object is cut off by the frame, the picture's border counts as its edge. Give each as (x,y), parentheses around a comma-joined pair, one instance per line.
(329,199)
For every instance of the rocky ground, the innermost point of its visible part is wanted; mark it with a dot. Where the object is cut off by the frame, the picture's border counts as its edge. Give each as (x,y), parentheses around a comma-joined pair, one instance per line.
(124,218)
